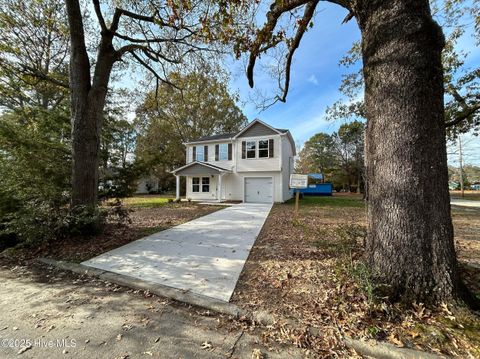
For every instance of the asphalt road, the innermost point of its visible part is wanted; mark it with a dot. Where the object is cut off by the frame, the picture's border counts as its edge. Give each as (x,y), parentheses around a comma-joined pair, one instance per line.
(55,314)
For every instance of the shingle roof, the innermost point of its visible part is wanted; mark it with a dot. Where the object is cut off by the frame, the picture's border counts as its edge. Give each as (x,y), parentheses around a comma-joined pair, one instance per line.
(214,137)
(224,136)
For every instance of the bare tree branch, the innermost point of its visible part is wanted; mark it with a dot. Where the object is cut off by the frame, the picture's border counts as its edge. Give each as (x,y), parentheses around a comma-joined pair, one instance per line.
(152,71)
(264,36)
(42,76)
(307,17)
(98,12)
(264,39)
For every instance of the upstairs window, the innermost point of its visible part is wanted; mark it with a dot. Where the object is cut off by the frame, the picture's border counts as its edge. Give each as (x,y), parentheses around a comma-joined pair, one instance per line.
(263,148)
(250,146)
(199,153)
(223,152)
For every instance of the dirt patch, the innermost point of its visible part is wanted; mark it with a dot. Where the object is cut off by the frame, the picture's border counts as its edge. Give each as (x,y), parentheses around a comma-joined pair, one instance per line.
(310,270)
(144,221)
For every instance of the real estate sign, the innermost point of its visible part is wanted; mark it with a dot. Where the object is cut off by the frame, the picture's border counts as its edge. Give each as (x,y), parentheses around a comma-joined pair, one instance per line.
(298,181)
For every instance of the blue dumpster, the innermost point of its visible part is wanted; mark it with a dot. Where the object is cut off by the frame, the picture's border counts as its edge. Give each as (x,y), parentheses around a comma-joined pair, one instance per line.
(319,189)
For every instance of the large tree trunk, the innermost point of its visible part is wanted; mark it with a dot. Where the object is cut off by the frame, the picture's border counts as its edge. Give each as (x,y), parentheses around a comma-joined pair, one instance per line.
(410,243)
(87,104)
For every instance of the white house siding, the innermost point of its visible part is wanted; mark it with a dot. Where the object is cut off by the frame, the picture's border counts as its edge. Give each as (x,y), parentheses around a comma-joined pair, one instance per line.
(211,154)
(206,196)
(259,164)
(233,184)
(287,168)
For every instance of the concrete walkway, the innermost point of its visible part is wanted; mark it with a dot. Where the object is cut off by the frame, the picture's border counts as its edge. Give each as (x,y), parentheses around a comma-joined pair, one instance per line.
(464,202)
(204,256)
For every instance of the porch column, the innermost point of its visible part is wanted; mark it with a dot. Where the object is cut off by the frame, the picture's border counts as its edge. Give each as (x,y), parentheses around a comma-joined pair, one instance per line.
(220,187)
(178,187)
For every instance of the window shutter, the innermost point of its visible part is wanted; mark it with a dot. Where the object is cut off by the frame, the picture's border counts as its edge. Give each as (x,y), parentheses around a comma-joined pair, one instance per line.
(217,150)
(244,149)
(270,148)
(229,151)
(194,153)
(205,153)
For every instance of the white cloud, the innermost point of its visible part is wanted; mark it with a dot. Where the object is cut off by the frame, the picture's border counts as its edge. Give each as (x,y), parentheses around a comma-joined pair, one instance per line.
(313,79)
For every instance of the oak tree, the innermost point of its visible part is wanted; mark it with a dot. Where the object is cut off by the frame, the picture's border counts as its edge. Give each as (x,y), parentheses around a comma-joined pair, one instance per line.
(154,35)
(410,244)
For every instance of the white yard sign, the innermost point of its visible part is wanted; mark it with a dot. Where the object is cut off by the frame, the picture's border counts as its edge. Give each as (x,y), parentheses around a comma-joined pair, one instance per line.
(298,181)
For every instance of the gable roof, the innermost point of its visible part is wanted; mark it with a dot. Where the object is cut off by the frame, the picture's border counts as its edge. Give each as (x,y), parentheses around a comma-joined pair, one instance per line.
(257,122)
(196,165)
(230,136)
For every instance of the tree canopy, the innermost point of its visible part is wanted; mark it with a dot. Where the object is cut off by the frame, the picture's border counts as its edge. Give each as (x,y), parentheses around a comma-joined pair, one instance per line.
(166,120)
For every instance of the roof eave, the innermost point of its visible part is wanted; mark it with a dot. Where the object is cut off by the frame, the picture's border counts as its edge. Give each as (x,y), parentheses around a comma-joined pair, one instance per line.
(219,169)
(251,124)
(203,141)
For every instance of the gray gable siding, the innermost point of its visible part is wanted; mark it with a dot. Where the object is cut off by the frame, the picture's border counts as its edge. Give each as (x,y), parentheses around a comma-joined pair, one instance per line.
(258,129)
(197,169)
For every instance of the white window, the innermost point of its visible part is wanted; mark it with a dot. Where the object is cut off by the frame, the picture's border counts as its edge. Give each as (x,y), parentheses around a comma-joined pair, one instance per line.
(205,184)
(223,152)
(199,153)
(195,184)
(251,149)
(263,148)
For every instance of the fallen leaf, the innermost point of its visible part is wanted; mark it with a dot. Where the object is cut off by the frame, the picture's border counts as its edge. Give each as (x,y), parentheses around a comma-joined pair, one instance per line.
(24,349)
(257,354)
(207,345)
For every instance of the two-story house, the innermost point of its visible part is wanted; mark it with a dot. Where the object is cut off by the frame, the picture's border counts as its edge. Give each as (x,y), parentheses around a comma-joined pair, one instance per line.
(253,165)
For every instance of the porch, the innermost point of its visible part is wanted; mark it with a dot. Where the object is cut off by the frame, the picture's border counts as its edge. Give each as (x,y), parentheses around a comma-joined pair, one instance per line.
(204,181)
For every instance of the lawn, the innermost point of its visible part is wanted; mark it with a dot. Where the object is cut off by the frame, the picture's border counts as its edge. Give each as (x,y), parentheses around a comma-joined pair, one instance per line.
(310,270)
(473,195)
(337,200)
(150,201)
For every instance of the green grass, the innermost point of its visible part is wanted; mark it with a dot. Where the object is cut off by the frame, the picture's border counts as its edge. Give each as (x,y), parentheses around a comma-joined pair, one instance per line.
(472,195)
(340,201)
(147,201)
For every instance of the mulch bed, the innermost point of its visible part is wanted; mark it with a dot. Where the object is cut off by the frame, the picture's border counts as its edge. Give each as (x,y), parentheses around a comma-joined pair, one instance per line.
(144,221)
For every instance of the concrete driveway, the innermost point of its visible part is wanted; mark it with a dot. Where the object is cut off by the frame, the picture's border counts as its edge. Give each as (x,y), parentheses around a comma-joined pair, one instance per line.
(204,256)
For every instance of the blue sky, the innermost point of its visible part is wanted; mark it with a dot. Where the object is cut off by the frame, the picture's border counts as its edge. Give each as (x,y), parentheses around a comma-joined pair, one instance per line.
(316,76)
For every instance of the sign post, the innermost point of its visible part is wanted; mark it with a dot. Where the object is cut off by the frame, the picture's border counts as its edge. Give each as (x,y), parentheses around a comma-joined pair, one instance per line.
(297,182)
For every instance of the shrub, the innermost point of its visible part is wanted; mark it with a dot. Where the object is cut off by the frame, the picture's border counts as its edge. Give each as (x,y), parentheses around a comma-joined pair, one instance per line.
(84,221)
(118,213)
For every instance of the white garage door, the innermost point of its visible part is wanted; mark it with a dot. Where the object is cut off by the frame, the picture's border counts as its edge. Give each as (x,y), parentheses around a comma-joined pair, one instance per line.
(259,189)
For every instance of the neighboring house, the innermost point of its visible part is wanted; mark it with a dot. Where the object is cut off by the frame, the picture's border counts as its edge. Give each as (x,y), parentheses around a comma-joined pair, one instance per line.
(147,184)
(253,165)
